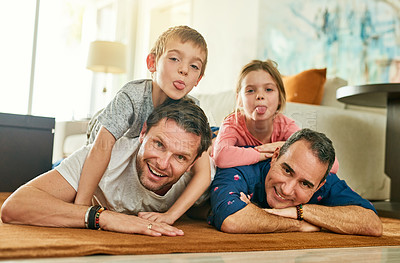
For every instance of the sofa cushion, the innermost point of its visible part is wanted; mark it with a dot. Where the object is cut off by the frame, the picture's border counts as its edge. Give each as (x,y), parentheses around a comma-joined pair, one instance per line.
(73,143)
(305,87)
(217,105)
(330,87)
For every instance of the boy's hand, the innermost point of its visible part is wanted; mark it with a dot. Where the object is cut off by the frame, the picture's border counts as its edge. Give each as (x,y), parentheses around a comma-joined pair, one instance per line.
(157,217)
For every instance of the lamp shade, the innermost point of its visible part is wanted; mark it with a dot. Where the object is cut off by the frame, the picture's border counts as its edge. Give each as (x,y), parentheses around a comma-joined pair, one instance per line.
(106,56)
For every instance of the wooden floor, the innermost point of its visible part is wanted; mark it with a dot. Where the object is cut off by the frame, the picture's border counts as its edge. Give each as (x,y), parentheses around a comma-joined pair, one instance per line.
(363,254)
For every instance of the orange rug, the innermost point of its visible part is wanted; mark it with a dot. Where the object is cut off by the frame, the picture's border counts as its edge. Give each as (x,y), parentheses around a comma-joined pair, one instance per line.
(19,241)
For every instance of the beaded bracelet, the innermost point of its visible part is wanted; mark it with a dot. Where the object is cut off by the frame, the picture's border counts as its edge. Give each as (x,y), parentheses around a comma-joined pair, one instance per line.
(299,209)
(92,216)
(97,225)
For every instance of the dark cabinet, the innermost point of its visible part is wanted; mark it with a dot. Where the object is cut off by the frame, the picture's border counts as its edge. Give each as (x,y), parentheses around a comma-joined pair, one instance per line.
(26,148)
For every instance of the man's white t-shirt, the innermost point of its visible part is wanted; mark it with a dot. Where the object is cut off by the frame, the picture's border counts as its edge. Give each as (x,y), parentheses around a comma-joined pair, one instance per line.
(120,189)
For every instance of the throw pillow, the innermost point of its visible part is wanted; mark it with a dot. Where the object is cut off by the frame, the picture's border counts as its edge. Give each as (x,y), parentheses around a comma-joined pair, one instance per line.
(305,87)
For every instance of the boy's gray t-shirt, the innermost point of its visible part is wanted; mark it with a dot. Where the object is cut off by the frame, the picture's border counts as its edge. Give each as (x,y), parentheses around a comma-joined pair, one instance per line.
(126,113)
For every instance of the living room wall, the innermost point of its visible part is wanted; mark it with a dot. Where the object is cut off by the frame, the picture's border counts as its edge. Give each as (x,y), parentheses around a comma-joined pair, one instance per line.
(357,40)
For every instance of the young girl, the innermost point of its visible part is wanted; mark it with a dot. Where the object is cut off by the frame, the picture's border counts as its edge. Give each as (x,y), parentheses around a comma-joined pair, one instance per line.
(257,120)
(177,63)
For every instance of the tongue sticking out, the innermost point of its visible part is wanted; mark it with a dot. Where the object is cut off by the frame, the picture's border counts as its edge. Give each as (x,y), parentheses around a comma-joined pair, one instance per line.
(261,109)
(179,85)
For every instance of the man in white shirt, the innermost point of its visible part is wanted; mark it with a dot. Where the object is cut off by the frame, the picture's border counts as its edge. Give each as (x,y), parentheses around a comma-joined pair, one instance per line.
(144,174)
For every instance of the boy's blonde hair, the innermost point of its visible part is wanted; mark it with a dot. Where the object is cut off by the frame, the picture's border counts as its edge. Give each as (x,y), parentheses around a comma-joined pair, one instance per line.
(183,33)
(270,67)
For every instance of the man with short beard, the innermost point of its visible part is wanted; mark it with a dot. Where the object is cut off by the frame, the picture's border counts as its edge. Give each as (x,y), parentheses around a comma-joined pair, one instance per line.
(148,173)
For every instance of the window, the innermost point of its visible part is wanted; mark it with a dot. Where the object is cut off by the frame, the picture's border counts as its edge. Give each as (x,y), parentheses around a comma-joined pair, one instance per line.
(16,54)
(62,85)
(62,82)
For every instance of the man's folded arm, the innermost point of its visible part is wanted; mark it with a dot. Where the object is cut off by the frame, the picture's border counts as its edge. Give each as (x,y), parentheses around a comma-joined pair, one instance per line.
(252,219)
(351,219)
(45,201)
(48,201)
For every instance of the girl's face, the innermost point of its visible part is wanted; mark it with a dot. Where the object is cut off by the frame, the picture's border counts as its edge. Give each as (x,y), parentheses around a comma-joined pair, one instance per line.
(259,96)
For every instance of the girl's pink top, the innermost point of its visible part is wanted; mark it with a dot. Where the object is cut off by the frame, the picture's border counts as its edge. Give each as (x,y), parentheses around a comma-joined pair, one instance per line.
(233,135)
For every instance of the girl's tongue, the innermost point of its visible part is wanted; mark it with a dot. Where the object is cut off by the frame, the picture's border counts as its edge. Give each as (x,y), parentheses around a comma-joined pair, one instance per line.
(261,109)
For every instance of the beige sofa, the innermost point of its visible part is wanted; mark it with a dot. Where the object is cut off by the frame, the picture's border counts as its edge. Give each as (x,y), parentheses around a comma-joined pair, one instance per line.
(358,135)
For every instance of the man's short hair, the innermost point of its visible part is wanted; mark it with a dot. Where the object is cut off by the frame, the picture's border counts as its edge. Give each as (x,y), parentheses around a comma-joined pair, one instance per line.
(320,145)
(187,115)
(184,34)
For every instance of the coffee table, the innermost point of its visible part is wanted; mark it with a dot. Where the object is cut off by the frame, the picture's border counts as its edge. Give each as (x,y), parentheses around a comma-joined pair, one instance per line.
(382,95)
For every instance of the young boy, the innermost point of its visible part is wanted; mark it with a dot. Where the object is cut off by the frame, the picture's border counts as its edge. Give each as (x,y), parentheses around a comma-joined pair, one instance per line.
(177,63)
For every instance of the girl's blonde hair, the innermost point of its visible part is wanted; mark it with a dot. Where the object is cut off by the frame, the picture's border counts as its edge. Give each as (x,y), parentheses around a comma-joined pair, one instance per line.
(270,67)
(183,33)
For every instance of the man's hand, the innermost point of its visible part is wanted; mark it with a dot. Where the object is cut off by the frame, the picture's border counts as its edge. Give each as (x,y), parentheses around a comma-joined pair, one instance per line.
(113,221)
(289,212)
(307,227)
(157,217)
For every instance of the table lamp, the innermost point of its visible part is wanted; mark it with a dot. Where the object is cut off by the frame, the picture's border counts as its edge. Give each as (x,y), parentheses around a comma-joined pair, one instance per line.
(107,57)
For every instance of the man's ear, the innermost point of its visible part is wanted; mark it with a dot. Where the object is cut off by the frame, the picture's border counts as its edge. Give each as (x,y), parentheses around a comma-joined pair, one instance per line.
(151,62)
(275,155)
(190,166)
(143,133)
(320,185)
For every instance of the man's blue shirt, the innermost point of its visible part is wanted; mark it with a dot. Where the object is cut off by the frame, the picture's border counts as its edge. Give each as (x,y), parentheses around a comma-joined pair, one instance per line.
(250,179)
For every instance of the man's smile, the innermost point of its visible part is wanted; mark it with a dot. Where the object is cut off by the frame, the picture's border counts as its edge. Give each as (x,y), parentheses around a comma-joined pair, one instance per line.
(279,195)
(155,173)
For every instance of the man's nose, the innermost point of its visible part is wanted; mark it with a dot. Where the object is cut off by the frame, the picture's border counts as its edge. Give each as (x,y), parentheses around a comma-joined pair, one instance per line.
(288,188)
(163,161)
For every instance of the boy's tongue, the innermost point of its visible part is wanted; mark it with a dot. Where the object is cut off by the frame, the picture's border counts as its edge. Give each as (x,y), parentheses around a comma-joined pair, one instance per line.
(261,109)
(179,85)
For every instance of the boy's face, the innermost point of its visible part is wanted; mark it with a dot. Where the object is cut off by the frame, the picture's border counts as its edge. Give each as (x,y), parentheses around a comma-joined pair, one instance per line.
(178,69)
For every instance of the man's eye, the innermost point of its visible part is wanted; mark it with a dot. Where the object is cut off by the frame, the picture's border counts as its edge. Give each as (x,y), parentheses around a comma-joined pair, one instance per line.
(181,158)
(158,144)
(306,184)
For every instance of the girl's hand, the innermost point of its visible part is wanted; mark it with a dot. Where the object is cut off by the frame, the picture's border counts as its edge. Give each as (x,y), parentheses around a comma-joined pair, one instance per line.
(157,217)
(267,150)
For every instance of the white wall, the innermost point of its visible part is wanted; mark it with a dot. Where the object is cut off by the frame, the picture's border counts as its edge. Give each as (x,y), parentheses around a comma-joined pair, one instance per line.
(154,17)
(230,28)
